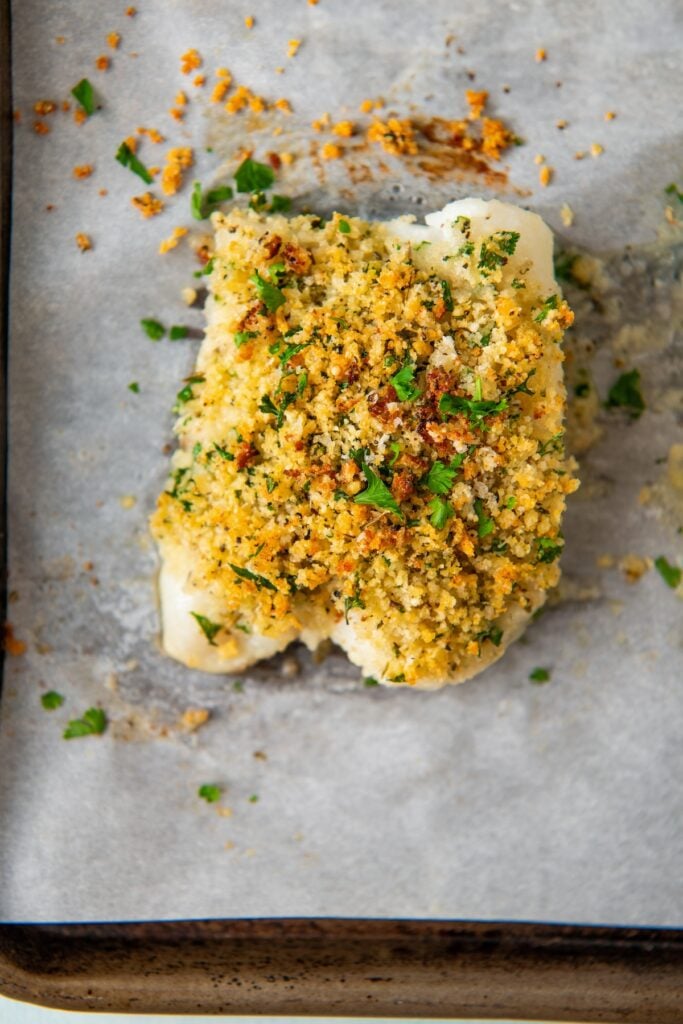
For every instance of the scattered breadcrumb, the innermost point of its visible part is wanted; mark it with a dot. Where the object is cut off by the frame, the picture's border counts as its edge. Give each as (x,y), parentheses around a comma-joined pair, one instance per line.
(284,105)
(395,136)
(16,116)
(561,124)
(189,296)
(180,99)
(82,171)
(66,106)
(152,134)
(610,115)
(367,106)
(80,116)
(633,567)
(567,215)
(292,47)
(330,151)
(177,160)
(103,192)
(40,128)
(344,129)
(60,40)
(10,643)
(539,159)
(131,12)
(287,158)
(249,21)
(128,501)
(580,154)
(243,97)
(113,40)
(605,561)
(83,241)
(176,114)
(477,101)
(545,175)
(321,123)
(540,55)
(194,718)
(597,149)
(147,204)
(220,89)
(199,80)
(44,107)
(190,61)
(172,241)
(102,63)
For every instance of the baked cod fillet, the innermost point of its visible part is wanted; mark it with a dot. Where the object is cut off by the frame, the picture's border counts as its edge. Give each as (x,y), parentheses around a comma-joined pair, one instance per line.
(370,447)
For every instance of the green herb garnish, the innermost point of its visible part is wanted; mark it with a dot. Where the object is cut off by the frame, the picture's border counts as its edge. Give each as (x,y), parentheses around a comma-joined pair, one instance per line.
(280,204)
(208,628)
(671,574)
(625,393)
(247,574)
(211,794)
(548,304)
(178,332)
(495,250)
(203,204)
(126,156)
(253,799)
(540,675)
(447,295)
(223,452)
(476,409)
(376,493)
(271,296)
(242,337)
(370,680)
(93,723)
(134,387)
(441,511)
(403,384)
(52,700)
(548,549)
(674,190)
(344,227)
(84,95)
(252,176)
(153,329)
(486,524)
(440,477)
(493,633)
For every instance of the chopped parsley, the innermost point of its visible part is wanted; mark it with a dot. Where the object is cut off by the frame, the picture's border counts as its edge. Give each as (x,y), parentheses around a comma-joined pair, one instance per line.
(440,477)
(206,269)
(271,296)
(447,295)
(253,799)
(211,794)
(252,176)
(223,452)
(247,574)
(93,723)
(476,409)
(396,451)
(126,156)
(495,250)
(178,332)
(208,628)
(291,351)
(510,502)
(376,493)
(563,264)
(548,549)
(548,304)
(674,190)
(671,574)
(370,680)
(441,511)
(242,337)
(625,394)
(352,602)
(403,384)
(493,633)
(553,444)
(268,406)
(134,387)
(52,700)
(153,329)
(280,204)
(84,95)
(186,393)
(486,524)
(202,204)
(540,675)
(344,227)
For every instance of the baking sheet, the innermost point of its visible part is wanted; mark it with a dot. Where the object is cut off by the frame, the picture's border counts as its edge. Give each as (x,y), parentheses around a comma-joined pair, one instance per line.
(495,799)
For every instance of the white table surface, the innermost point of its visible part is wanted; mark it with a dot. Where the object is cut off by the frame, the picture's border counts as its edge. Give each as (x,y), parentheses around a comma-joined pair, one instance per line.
(12,1012)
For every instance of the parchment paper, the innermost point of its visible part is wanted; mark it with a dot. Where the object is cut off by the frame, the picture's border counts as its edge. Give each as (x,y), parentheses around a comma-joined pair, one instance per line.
(495,799)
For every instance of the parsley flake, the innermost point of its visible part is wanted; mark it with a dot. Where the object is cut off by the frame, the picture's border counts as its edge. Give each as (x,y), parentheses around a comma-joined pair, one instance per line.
(547,305)
(403,384)
(376,493)
(134,387)
(674,190)
(208,628)
(495,250)
(271,296)
(671,574)
(447,295)
(153,329)
(370,680)
(84,95)
(493,633)
(253,577)
(178,332)
(540,675)
(625,394)
(476,409)
(93,723)
(486,524)
(211,794)
(52,700)
(252,176)
(344,227)
(441,511)
(126,156)
(548,549)
(242,337)
(280,204)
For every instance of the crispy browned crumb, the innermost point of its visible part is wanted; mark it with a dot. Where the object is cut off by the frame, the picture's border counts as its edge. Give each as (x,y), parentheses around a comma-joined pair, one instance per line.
(284,105)
(147,204)
(477,101)
(131,12)
(66,106)
(561,124)
(313,3)
(367,106)
(249,21)
(540,55)
(243,97)
(580,154)
(199,80)
(152,134)
(321,123)
(60,40)
(16,116)
(82,171)
(395,136)
(132,143)
(11,645)
(495,138)
(113,40)
(103,192)
(194,718)
(219,90)
(344,129)
(330,151)
(177,160)
(176,114)
(102,63)
(172,241)
(180,99)
(80,116)
(83,241)
(40,128)
(539,159)
(44,107)
(633,567)
(610,115)
(545,175)
(597,149)
(292,47)
(190,61)
(287,158)
(567,215)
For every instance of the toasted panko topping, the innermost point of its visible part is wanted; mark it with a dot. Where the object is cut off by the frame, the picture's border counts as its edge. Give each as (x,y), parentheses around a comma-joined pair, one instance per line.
(190,61)
(83,241)
(147,204)
(396,136)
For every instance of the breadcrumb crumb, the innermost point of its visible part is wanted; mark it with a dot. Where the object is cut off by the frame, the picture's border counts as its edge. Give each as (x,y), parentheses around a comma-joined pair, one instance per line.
(172,241)
(540,55)
(199,80)
(344,129)
(545,175)
(147,204)
(40,128)
(284,105)
(597,149)
(113,40)
(188,295)
(176,114)
(249,21)
(292,47)
(287,158)
(610,115)
(395,136)
(11,645)
(330,151)
(194,718)
(190,61)
(131,12)
(83,241)
(477,102)
(180,99)
(567,215)
(152,134)
(44,107)
(82,171)
(177,160)
(539,159)
(102,63)
(220,89)
(321,123)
